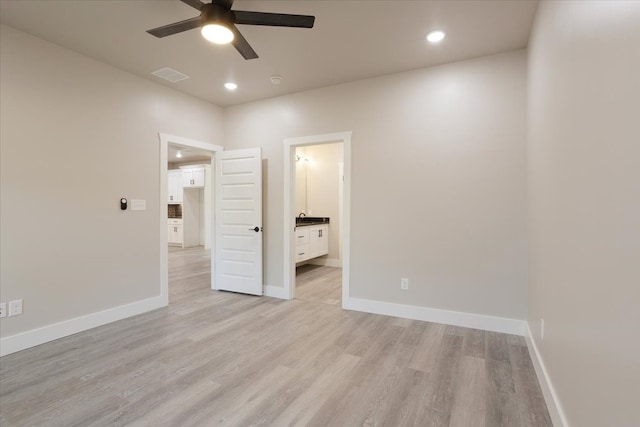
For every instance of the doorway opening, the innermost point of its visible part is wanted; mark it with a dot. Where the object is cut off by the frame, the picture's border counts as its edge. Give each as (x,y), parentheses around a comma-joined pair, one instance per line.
(317,217)
(186,216)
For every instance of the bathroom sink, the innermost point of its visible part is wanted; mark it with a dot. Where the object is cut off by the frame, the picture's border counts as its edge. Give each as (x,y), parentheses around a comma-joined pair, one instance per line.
(311,220)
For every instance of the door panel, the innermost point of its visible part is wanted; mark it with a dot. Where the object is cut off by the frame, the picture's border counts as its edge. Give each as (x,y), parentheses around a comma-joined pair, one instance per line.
(238,260)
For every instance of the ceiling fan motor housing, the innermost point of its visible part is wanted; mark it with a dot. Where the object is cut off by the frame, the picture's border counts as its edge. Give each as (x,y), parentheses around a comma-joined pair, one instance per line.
(213,13)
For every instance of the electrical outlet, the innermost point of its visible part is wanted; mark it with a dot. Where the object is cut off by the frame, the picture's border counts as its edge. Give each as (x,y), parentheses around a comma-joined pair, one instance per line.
(15,307)
(542,329)
(3,309)
(404,284)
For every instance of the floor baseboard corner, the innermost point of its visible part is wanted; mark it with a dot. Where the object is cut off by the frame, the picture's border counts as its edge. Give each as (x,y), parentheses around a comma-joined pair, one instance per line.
(548,391)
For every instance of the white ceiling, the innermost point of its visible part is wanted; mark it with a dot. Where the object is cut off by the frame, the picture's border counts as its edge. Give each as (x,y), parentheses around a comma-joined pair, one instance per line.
(189,154)
(351,39)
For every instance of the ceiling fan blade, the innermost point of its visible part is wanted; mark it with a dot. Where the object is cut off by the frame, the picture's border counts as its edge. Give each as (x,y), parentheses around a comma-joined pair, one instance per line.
(274,19)
(196,4)
(242,45)
(176,27)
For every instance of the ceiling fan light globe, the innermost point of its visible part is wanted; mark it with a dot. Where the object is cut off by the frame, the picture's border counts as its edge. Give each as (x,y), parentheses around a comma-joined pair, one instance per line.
(216,33)
(435,36)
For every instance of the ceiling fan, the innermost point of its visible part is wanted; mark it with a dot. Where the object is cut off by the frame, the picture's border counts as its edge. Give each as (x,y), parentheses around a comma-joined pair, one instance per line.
(218,24)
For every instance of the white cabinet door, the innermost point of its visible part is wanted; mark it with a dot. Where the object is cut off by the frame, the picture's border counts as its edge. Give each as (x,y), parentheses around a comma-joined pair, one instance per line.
(198,177)
(175,234)
(193,177)
(318,240)
(175,186)
(179,234)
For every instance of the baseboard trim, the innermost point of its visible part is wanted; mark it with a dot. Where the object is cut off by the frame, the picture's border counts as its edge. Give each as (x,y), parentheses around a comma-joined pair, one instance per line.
(551,398)
(455,318)
(275,292)
(329,262)
(34,337)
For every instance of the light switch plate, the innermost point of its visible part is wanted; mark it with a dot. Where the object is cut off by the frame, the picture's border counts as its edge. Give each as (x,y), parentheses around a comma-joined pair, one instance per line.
(138,205)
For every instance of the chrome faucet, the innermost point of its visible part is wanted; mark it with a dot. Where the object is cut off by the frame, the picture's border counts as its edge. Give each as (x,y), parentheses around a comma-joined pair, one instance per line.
(301,215)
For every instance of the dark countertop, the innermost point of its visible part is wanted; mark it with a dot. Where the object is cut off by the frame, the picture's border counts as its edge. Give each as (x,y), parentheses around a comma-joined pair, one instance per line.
(311,220)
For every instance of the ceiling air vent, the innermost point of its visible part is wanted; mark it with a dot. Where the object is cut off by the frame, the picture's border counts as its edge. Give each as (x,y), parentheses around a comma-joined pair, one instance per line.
(170,74)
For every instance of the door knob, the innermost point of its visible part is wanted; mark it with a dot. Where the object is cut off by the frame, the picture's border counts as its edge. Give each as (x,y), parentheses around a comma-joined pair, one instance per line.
(256,229)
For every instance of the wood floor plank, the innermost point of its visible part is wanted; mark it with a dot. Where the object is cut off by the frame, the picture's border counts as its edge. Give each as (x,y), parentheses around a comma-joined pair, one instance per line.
(424,358)
(469,402)
(443,382)
(501,400)
(219,358)
(302,409)
(531,403)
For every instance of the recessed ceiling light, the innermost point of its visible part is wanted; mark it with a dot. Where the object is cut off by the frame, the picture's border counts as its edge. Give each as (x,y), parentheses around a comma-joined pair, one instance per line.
(216,33)
(276,80)
(178,154)
(435,36)
(230,86)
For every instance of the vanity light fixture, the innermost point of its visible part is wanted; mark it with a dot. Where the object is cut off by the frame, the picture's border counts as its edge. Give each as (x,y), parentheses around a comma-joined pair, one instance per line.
(435,36)
(231,86)
(179,154)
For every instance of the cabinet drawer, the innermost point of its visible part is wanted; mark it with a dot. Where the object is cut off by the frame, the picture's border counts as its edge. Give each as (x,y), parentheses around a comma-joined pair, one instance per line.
(175,221)
(302,235)
(302,252)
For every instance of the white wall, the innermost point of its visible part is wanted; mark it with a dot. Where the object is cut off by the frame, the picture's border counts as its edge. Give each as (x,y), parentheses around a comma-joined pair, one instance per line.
(584,206)
(76,136)
(438,180)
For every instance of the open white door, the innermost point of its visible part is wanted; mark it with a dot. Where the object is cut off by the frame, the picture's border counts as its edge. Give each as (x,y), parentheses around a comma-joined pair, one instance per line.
(238,210)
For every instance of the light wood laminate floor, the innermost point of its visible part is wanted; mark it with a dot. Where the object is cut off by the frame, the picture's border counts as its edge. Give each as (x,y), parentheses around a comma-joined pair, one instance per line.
(319,284)
(218,358)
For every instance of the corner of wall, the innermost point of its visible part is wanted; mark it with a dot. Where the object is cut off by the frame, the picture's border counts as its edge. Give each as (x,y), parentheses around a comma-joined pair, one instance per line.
(550,397)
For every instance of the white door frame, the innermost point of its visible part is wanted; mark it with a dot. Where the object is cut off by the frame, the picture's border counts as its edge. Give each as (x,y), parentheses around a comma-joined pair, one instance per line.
(290,145)
(165,139)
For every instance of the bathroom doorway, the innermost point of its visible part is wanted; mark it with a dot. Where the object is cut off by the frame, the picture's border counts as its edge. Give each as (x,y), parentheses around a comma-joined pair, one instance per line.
(317,190)
(318,182)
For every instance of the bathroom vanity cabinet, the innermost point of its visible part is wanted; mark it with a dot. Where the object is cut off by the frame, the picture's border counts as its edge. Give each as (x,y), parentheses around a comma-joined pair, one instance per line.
(311,241)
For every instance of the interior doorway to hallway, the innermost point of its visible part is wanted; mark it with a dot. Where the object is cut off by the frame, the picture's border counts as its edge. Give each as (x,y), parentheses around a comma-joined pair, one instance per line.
(186,215)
